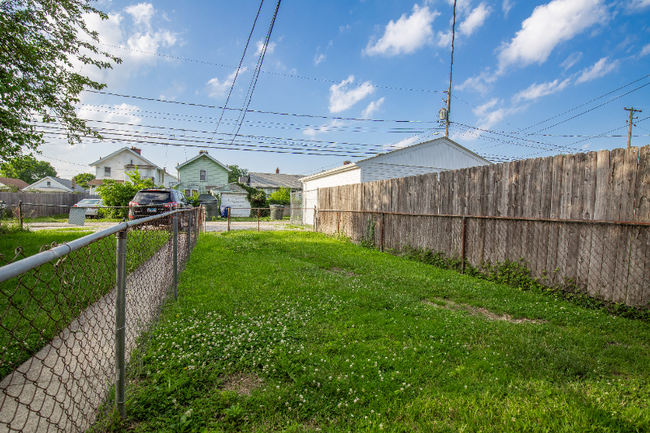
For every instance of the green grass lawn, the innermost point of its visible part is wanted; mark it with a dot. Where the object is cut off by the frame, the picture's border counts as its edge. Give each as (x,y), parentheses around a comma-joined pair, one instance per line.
(296,331)
(40,303)
(63,218)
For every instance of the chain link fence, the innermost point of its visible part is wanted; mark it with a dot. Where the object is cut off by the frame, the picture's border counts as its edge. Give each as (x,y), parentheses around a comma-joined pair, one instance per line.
(607,260)
(74,317)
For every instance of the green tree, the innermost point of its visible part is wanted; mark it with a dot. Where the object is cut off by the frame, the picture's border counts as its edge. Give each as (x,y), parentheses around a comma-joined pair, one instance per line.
(120,194)
(236,172)
(42,43)
(26,168)
(82,179)
(281,196)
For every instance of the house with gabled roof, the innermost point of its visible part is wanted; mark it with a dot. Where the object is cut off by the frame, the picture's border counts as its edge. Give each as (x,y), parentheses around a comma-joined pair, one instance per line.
(7,183)
(53,184)
(116,165)
(201,174)
(271,182)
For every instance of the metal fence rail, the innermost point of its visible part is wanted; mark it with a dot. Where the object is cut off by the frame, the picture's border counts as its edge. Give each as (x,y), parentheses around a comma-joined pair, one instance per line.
(607,260)
(72,316)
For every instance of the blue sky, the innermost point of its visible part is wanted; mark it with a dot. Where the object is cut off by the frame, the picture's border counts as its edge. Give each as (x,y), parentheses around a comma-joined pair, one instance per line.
(529,79)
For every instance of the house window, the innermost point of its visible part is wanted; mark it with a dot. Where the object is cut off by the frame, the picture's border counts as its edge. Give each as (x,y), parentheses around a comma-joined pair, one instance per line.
(187,192)
(203,176)
(49,183)
(107,172)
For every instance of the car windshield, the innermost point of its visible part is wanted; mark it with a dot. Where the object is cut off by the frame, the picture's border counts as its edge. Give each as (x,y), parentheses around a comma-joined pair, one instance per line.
(89,202)
(146,197)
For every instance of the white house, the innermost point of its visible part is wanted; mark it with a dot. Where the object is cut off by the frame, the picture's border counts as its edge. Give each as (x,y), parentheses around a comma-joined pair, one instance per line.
(53,184)
(429,157)
(117,164)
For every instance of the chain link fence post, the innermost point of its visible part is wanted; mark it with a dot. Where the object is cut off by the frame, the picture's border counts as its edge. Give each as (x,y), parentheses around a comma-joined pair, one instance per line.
(20,213)
(315,220)
(120,324)
(189,235)
(228,219)
(175,254)
(462,247)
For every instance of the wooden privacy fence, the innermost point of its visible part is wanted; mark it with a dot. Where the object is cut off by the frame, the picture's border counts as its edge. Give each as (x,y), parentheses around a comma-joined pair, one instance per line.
(576,220)
(46,204)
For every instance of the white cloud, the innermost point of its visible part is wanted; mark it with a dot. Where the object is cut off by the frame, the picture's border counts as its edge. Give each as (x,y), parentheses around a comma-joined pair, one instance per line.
(548,26)
(124,113)
(372,108)
(444,39)
(600,68)
(488,118)
(475,19)
(461,5)
(218,89)
(334,124)
(144,43)
(645,51)
(535,90)
(260,47)
(341,98)
(480,83)
(571,60)
(405,35)
(506,6)
(319,58)
(141,13)
(132,28)
(639,4)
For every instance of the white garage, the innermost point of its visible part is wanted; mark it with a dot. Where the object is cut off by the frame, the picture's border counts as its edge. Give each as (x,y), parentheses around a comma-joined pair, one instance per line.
(432,156)
(234,196)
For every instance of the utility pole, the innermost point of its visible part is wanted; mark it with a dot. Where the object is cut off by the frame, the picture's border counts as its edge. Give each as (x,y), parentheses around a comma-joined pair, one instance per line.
(451,68)
(630,122)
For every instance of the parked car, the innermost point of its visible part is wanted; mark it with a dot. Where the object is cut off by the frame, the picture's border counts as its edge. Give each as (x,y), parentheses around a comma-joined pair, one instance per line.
(147,202)
(91,205)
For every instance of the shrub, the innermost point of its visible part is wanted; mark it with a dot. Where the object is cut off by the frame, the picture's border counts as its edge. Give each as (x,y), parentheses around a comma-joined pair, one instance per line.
(281,196)
(120,194)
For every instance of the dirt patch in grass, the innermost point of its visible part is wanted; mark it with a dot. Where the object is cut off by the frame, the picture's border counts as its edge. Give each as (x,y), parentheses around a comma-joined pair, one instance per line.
(336,270)
(242,384)
(451,305)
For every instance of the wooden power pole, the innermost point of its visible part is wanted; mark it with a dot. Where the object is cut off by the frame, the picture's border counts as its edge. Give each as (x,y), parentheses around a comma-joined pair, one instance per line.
(451,68)
(630,122)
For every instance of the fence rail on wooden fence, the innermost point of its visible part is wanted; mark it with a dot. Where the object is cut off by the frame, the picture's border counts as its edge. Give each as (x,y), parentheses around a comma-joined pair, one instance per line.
(556,202)
(49,203)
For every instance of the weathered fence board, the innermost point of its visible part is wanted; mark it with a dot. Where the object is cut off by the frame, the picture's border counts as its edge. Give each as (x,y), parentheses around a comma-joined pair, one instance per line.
(50,203)
(611,262)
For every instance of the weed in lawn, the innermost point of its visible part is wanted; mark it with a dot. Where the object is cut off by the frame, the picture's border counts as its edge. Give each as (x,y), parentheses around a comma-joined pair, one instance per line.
(327,335)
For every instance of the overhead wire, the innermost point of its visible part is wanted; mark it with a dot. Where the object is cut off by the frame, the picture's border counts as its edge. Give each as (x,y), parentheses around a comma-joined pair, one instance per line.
(241,60)
(278,113)
(256,73)
(324,80)
(253,123)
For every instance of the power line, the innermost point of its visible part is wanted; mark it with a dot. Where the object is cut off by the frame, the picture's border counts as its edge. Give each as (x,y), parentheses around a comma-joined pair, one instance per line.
(256,74)
(277,113)
(589,102)
(324,80)
(145,134)
(594,108)
(232,86)
(254,123)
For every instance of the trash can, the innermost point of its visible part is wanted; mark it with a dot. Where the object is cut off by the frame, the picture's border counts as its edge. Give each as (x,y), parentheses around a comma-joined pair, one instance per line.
(210,204)
(224,211)
(277,211)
